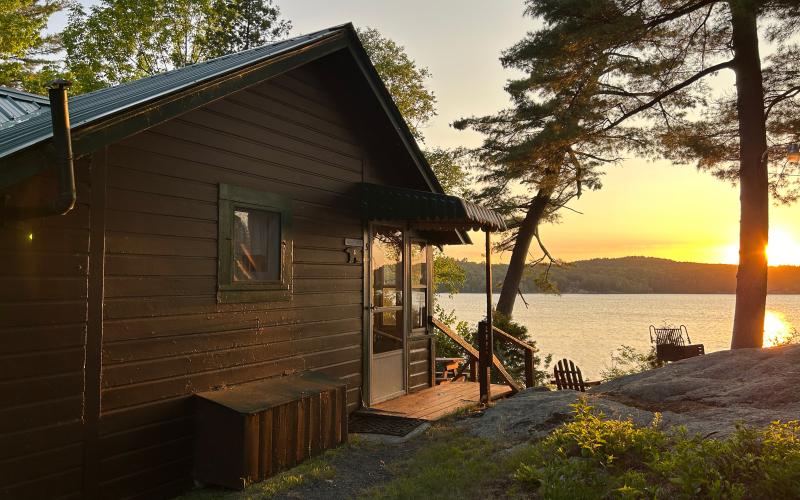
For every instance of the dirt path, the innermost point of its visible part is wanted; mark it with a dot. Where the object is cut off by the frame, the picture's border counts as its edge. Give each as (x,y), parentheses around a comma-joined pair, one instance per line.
(357,468)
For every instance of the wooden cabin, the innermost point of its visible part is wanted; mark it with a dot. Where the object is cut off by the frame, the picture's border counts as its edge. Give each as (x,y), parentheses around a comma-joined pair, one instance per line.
(233,221)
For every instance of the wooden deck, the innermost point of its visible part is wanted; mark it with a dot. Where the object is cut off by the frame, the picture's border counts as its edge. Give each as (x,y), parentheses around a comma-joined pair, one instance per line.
(436,402)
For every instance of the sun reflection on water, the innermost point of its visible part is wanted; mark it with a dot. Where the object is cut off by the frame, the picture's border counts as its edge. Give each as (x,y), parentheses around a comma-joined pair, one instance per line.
(776,329)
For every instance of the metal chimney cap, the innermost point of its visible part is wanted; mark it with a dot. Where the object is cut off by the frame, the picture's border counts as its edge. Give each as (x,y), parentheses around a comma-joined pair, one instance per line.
(59,83)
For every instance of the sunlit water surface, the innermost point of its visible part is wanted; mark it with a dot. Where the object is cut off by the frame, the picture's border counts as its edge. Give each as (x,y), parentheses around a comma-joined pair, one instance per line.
(587,328)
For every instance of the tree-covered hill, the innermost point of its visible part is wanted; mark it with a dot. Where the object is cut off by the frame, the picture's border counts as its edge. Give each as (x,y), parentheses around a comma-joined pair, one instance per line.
(635,275)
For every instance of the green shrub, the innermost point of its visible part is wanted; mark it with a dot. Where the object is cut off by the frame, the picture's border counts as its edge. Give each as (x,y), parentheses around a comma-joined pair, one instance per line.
(512,357)
(626,360)
(593,457)
(446,348)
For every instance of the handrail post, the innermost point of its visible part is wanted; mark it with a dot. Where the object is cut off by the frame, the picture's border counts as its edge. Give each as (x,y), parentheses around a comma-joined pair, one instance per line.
(530,381)
(473,369)
(487,339)
(484,363)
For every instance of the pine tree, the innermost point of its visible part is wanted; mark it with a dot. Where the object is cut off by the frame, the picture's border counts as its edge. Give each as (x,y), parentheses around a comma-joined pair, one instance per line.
(638,70)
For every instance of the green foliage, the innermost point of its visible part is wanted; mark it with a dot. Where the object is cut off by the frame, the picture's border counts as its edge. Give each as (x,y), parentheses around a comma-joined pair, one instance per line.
(593,457)
(237,25)
(448,275)
(445,347)
(24,49)
(512,357)
(451,170)
(626,360)
(122,40)
(609,76)
(402,77)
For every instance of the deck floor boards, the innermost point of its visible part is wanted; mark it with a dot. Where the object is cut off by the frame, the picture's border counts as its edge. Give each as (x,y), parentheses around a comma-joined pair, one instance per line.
(436,402)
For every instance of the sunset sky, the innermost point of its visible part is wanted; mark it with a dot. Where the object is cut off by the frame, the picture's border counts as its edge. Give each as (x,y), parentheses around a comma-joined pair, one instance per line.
(645,208)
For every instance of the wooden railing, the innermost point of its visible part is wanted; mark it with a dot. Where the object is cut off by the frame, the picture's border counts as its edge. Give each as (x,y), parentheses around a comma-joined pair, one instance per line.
(473,356)
(527,350)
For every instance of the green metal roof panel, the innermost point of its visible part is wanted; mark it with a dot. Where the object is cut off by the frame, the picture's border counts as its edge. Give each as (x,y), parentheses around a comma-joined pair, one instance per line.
(17,106)
(389,203)
(88,108)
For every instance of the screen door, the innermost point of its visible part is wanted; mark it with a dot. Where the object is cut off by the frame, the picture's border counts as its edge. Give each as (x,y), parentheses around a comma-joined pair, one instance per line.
(387,378)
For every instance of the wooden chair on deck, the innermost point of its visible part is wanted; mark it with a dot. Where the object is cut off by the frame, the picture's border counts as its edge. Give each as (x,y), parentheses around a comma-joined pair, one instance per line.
(447,369)
(568,376)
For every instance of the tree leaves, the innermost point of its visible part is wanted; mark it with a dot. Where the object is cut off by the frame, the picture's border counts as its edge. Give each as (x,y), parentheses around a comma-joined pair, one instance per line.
(404,80)
(24,49)
(122,40)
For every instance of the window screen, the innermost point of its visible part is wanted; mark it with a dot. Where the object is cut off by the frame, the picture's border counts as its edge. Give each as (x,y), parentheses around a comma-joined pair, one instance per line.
(256,245)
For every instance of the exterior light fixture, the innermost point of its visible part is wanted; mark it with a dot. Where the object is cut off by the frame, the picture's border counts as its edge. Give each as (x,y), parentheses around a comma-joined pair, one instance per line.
(793,153)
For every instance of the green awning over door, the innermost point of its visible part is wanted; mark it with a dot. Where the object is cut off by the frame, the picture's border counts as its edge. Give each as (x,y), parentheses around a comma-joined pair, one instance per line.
(425,210)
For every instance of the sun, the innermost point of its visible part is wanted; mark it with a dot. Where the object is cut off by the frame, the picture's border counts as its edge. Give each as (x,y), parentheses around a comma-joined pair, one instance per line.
(776,329)
(783,250)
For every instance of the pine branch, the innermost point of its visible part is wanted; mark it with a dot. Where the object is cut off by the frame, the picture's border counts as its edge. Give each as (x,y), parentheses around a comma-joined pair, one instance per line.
(788,94)
(687,8)
(666,93)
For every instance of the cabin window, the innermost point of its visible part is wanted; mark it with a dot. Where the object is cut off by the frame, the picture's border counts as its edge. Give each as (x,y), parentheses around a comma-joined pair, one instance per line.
(255,246)
(419,285)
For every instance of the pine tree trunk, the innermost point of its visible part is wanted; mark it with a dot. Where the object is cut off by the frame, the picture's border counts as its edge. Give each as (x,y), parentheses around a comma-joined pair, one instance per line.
(516,267)
(751,278)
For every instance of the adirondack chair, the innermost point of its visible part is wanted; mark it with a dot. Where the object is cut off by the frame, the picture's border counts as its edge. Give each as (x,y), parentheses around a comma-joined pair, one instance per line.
(568,376)
(671,344)
(673,335)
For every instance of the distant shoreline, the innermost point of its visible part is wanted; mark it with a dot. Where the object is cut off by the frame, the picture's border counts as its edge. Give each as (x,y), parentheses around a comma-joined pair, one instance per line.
(633,275)
(497,292)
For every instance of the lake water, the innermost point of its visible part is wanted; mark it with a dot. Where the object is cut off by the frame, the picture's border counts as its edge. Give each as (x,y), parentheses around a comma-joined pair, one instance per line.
(588,328)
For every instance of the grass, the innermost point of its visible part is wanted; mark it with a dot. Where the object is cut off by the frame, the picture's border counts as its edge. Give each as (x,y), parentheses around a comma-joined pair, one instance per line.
(451,465)
(315,469)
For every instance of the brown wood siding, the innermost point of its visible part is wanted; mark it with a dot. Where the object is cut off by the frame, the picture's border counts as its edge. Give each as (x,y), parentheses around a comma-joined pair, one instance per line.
(419,364)
(43,314)
(165,336)
(307,136)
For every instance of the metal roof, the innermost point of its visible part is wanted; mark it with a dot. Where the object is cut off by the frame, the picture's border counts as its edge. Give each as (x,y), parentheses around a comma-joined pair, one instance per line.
(87,108)
(102,107)
(16,106)
(389,203)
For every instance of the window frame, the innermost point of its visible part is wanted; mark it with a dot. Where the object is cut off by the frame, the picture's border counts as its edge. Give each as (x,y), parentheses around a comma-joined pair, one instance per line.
(232,198)
(422,331)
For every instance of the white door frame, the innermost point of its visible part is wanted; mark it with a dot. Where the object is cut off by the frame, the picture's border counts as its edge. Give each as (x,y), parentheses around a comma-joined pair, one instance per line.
(371,398)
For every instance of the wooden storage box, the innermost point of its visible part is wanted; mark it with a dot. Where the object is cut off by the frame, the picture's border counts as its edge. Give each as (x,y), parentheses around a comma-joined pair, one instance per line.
(249,432)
